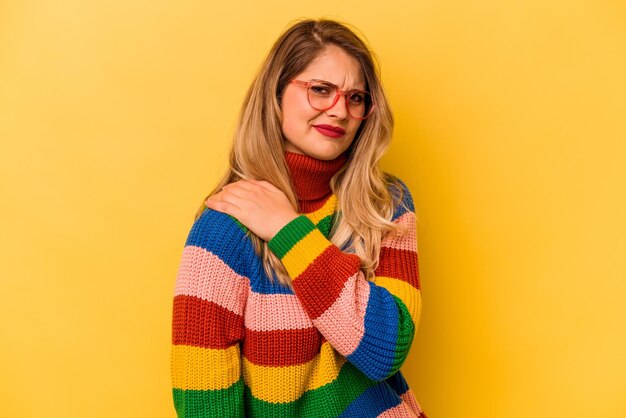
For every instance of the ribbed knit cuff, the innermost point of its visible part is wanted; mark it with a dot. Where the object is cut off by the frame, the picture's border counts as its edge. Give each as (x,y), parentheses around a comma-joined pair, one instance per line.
(290,235)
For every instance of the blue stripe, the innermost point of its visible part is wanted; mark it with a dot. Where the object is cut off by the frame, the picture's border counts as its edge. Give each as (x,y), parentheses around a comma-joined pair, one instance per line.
(220,234)
(373,402)
(375,354)
(403,203)
(398,383)
(260,283)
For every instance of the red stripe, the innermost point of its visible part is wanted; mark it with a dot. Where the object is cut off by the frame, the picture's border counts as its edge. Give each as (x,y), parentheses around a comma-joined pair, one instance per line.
(201,323)
(320,284)
(276,348)
(400,264)
(312,206)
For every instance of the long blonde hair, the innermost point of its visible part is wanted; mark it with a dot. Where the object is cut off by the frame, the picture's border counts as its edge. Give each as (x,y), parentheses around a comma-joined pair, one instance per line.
(365,204)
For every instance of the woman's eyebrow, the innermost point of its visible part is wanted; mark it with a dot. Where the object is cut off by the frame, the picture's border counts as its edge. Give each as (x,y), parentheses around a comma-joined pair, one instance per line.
(333,84)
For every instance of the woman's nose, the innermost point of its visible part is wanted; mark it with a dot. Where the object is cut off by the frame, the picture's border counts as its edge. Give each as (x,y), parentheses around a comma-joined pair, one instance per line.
(339,109)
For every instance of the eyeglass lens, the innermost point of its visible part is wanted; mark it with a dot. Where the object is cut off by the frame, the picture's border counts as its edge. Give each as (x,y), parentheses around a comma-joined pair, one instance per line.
(322,96)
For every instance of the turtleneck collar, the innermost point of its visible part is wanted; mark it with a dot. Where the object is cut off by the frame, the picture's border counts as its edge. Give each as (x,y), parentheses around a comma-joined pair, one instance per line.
(311,178)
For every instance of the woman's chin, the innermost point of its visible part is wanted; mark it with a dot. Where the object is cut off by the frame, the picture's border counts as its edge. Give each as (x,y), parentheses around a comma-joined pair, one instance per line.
(328,152)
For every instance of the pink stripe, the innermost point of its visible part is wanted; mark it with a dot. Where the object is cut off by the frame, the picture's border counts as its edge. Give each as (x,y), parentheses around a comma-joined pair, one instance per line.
(271,312)
(400,411)
(204,275)
(410,400)
(407,241)
(343,322)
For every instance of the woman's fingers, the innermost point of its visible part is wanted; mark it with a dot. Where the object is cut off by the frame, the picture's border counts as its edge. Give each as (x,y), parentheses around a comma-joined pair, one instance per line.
(225,204)
(224,207)
(251,189)
(240,191)
(266,185)
(261,207)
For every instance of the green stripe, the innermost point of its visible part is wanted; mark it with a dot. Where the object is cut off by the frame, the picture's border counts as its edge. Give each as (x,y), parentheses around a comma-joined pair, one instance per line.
(406,332)
(210,403)
(289,235)
(327,401)
(240,225)
(325,224)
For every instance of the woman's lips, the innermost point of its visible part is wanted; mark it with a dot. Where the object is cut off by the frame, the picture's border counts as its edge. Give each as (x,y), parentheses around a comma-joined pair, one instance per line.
(330,131)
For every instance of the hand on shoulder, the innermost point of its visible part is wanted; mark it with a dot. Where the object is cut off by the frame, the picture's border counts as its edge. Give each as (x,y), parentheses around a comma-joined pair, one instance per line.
(257,204)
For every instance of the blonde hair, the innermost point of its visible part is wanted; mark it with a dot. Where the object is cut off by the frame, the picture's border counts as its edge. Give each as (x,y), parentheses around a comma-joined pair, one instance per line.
(365,205)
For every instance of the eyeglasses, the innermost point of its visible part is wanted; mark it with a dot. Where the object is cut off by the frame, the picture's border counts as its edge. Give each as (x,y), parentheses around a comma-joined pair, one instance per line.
(323,95)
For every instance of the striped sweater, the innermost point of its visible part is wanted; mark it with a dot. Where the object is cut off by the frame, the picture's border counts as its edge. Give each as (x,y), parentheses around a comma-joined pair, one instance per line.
(333,346)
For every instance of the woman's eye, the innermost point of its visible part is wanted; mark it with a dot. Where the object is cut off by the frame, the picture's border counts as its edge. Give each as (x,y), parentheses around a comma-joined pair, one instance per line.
(320,90)
(357,99)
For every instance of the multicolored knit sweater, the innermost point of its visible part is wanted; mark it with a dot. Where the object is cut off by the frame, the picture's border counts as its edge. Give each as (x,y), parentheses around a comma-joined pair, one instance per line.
(333,346)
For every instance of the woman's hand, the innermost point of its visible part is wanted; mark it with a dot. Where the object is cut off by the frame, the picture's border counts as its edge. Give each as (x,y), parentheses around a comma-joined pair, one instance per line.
(260,206)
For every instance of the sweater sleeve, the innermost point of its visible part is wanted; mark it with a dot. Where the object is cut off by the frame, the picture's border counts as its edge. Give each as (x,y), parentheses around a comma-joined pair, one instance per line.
(371,323)
(207,323)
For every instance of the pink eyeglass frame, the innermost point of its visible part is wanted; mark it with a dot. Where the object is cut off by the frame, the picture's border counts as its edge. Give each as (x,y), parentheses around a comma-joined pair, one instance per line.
(340,92)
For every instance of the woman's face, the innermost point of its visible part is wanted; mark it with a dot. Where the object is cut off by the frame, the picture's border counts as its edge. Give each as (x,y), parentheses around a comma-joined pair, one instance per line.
(306,129)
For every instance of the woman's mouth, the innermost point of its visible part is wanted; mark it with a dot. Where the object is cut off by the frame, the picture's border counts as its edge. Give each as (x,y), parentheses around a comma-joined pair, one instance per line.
(330,131)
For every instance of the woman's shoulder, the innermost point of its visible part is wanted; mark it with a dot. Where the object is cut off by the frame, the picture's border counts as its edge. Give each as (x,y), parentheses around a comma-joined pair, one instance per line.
(400,194)
(222,235)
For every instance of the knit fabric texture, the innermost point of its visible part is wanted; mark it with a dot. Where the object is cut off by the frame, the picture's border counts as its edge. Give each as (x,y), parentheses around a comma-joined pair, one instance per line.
(331,347)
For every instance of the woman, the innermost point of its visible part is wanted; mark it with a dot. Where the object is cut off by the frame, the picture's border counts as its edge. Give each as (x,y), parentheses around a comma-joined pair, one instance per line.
(298,290)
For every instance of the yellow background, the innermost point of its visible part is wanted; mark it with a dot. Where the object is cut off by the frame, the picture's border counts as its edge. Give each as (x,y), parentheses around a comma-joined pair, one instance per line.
(115,121)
